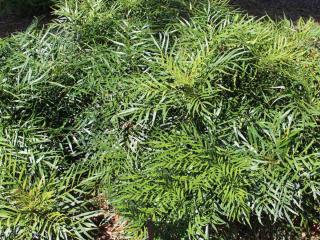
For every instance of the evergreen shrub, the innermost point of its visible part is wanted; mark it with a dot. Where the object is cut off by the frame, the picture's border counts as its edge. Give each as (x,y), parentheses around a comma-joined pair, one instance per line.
(195,120)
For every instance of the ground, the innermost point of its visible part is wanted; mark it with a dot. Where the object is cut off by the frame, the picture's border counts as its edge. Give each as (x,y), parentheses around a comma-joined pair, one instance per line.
(12,23)
(292,9)
(276,9)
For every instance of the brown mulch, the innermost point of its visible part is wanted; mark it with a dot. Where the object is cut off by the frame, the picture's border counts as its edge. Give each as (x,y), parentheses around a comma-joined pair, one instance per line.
(277,9)
(110,224)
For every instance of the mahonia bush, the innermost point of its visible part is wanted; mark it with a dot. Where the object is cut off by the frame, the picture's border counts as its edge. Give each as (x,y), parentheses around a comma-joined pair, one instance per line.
(194,119)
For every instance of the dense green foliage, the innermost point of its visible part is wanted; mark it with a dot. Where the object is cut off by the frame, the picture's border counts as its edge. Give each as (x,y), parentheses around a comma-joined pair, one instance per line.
(187,115)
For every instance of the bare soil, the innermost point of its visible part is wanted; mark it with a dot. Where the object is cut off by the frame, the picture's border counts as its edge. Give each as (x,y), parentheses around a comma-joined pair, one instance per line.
(278,9)
(13,23)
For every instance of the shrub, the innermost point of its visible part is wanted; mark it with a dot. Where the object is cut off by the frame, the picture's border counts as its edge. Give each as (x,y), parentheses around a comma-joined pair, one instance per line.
(195,120)
(44,95)
(217,128)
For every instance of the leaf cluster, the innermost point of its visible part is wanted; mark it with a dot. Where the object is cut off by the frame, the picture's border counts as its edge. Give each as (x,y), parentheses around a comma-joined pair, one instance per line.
(191,117)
